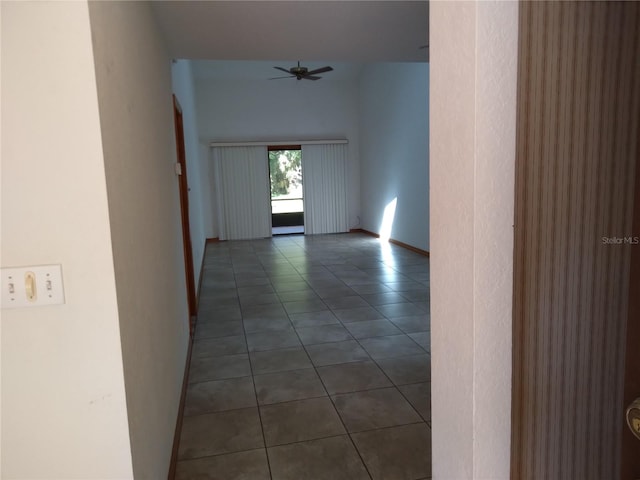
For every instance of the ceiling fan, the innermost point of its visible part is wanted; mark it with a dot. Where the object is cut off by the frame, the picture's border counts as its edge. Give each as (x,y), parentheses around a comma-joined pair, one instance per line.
(302,72)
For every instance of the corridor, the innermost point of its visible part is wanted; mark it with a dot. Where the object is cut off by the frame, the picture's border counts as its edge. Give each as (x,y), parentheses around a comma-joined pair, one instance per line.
(310,361)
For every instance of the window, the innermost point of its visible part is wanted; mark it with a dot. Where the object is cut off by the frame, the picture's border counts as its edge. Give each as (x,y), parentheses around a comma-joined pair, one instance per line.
(285,178)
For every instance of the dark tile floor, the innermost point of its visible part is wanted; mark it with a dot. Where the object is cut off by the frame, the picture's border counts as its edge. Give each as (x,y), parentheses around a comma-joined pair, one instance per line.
(310,361)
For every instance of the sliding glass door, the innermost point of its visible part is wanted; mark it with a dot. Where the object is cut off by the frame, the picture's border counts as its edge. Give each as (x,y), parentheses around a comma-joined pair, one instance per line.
(287,200)
(297,190)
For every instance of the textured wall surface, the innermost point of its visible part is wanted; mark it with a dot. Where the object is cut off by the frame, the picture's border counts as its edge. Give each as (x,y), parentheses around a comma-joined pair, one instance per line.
(394,148)
(133,75)
(578,119)
(472,160)
(63,401)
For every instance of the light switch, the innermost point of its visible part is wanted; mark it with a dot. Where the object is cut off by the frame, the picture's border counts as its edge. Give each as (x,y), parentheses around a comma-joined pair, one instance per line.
(32,286)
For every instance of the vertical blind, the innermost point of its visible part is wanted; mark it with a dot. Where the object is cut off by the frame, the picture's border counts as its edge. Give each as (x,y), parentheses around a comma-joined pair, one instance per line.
(324,184)
(242,185)
(243,196)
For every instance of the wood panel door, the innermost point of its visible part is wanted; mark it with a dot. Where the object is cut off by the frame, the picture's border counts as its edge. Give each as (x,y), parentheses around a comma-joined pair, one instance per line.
(630,451)
(575,303)
(183,186)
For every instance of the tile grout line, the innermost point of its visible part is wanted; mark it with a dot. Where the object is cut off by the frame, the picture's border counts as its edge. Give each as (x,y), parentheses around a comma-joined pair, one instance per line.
(253,380)
(335,409)
(264,259)
(393,384)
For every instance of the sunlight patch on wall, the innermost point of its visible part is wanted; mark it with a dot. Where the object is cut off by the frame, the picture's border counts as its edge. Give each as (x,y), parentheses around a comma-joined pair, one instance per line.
(387,220)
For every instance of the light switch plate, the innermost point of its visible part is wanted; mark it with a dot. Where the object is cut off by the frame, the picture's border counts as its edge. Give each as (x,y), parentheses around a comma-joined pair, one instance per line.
(32,286)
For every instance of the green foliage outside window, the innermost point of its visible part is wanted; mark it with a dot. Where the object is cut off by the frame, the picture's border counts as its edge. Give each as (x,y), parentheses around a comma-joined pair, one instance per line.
(285,167)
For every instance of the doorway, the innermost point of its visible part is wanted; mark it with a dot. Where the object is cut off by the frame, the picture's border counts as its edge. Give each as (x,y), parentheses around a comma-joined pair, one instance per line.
(183,187)
(285,181)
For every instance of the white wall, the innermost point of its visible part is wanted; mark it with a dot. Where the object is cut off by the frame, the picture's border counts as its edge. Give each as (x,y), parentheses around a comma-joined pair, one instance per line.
(197,164)
(394,149)
(209,214)
(289,110)
(473,49)
(63,399)
(136,115)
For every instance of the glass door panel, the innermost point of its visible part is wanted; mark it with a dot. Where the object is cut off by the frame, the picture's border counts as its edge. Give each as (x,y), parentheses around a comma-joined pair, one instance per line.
(287,203)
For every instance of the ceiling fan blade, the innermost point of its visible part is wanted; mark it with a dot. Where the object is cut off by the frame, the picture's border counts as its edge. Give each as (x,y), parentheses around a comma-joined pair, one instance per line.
(320,70)
(310,77)
(283,70)
(277,78)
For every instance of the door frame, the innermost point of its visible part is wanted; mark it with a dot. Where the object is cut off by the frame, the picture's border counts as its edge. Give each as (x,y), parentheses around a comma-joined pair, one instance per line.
(272,148)
(183,187)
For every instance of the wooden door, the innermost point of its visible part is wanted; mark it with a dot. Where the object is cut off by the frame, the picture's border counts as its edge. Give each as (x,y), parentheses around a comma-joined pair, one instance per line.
(578,124)
(630,452)
(184,209)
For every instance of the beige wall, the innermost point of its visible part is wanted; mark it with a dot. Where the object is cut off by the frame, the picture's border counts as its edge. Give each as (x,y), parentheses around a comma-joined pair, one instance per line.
(473,49)
(63,400)
(136,115)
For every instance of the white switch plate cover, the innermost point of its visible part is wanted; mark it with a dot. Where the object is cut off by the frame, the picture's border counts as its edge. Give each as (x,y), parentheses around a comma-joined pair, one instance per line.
(48,283)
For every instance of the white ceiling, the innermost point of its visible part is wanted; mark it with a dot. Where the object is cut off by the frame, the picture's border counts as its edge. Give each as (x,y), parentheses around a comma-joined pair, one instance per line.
(308,30)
